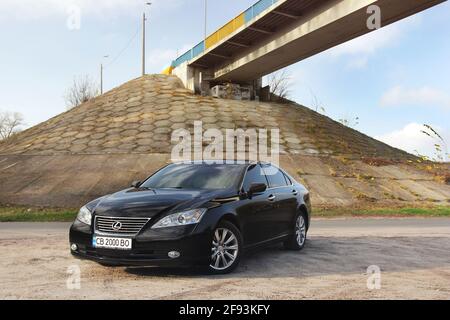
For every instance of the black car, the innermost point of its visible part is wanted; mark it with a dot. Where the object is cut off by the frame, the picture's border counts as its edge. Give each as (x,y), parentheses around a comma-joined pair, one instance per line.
(194,214)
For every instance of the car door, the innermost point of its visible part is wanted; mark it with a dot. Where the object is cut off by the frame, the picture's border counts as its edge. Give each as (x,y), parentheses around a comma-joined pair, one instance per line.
(255,212)
(283,197)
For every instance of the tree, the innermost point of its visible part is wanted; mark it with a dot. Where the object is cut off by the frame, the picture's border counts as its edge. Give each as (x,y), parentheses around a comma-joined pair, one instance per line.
(82,90)
(280,85)
(10,124)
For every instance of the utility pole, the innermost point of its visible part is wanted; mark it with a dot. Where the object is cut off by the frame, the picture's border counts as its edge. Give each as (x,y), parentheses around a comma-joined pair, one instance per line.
(206,19)
(101,78)
(143,45)
(144,19)
(101,74)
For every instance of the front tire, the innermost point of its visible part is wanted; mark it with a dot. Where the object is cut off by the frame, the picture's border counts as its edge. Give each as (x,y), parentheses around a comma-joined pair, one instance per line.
(226,248)
(298,239)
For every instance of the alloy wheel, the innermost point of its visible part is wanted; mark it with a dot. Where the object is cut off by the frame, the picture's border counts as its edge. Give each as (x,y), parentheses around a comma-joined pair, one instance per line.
(300,230)
(224,250)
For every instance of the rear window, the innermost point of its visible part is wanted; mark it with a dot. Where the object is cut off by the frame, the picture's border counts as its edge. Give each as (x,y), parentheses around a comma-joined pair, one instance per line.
(288,180)
(275,176)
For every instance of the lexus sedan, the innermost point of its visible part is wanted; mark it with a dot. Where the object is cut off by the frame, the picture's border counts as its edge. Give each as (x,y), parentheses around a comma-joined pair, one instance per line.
(194,214)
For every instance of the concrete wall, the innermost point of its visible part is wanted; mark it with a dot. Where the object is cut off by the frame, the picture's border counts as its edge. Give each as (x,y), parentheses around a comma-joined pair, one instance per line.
(73,180)
(188,75)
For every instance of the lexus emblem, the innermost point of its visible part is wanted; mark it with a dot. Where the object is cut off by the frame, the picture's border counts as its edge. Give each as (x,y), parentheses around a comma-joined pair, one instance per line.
(117,225)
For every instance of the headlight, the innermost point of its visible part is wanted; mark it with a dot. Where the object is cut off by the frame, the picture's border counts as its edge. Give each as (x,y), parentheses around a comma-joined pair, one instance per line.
(85,216)
(180,219)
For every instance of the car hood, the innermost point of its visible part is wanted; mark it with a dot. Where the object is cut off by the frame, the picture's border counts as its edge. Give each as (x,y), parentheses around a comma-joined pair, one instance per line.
(149,203)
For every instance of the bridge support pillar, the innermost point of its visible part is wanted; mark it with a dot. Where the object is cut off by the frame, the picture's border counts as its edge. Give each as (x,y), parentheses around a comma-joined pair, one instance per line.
(200,81)
(190,77)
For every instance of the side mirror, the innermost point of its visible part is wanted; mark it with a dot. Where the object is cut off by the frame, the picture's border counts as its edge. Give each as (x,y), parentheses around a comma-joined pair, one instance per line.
(256,188)
(136,184)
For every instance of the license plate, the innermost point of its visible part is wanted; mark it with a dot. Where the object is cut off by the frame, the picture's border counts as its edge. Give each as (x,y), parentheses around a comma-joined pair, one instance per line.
(112,243)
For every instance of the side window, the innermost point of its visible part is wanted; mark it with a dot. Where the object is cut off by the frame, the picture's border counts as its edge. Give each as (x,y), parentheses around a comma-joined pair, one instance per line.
(276,177)
(288,180)
(254,175)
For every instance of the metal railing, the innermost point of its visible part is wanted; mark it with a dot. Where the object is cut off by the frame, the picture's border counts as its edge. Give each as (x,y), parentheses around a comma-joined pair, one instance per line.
(244,18)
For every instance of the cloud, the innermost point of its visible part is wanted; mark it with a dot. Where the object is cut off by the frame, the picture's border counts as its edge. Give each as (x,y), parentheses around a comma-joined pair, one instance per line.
(411,139)
(369,43)
(359,50)
(159,58)
(425,97)
(358,62)
(24,10)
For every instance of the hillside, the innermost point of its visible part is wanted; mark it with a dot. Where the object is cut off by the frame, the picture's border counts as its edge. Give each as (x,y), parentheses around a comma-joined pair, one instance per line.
(104,144)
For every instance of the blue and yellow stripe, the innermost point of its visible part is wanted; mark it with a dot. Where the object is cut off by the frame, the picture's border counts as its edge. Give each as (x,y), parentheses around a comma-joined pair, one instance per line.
(215,38)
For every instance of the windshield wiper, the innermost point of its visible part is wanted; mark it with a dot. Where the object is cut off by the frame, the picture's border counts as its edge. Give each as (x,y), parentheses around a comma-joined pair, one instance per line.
(148,189)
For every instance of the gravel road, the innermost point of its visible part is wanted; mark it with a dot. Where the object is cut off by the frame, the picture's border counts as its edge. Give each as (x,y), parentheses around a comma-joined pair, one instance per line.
(412,254)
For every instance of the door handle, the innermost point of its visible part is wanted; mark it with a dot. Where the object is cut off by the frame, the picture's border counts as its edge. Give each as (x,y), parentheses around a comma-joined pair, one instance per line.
(294,192)
(271,197)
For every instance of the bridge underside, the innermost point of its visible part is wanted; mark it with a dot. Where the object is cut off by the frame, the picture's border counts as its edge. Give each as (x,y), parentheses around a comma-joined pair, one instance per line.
(288,32)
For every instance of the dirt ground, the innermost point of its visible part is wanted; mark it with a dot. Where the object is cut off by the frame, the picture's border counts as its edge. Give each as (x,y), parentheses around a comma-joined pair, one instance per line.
(413,255)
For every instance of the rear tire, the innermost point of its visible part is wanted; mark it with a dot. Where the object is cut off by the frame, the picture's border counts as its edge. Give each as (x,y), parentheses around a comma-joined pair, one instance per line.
(226,248)
(298,239)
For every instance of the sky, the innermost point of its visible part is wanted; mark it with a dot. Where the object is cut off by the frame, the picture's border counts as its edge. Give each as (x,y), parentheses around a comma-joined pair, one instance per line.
(393,80)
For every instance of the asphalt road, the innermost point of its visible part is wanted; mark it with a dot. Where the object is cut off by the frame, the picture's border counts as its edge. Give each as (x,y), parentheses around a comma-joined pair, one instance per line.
(412,255)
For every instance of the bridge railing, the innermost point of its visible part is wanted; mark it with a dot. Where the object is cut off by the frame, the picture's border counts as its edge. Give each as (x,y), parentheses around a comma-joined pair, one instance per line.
(257,9)
(226,30)
(244,18)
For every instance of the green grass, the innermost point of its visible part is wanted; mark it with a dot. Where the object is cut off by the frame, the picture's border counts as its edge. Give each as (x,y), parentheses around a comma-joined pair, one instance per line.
(437,211)
(24,214)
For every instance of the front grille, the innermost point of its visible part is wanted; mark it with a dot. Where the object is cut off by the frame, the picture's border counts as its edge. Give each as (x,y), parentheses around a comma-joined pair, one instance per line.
(119,226)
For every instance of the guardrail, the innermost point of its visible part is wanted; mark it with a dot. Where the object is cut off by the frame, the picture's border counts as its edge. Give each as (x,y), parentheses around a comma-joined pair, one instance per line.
(244,18)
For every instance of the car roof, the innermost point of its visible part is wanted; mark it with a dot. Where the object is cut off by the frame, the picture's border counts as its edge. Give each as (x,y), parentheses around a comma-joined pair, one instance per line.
(222,162)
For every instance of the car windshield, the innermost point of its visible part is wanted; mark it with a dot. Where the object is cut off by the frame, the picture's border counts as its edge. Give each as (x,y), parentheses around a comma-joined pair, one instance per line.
(196,176)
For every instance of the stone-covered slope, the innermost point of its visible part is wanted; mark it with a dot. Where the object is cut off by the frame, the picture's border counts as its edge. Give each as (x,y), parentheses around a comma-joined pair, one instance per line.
(124,135)
(139,116)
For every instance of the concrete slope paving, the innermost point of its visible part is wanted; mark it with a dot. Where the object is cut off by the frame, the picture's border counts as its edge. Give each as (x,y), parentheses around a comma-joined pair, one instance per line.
(125,134)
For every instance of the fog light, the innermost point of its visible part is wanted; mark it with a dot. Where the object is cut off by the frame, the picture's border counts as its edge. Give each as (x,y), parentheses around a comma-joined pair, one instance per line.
(74,247)
(173,254)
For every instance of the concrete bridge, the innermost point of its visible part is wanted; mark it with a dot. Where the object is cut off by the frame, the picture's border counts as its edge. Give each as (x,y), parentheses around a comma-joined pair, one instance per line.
(273,34)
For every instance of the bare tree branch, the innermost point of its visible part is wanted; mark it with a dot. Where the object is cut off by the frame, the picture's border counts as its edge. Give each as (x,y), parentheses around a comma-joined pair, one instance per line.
(10,124)
(280,85)
(82,90)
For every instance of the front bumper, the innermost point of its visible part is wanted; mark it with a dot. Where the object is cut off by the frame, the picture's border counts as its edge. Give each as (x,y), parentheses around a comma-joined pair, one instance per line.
(149,248)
